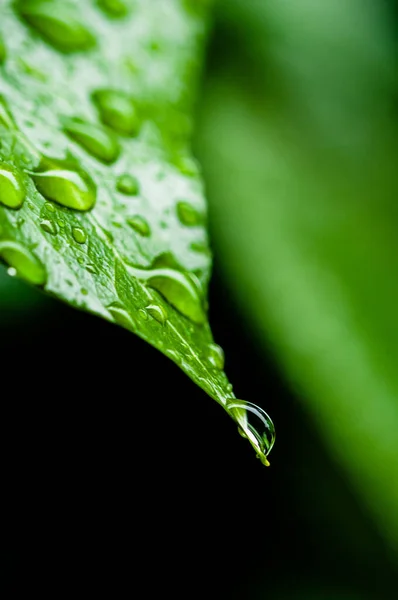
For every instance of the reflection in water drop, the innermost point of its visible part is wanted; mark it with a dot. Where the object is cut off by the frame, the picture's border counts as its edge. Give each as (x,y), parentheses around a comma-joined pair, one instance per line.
(127,184)
(24,262)
(49,226)
(12,189)
(100,143)
(56,23)
(158,313)
(56,180)
(255,425)
(181,290)
(139,225)
(117,110)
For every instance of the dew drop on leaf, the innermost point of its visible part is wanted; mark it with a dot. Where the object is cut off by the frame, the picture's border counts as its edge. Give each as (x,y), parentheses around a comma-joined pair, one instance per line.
(215,356)
(255,425)
(117,110)
(143,314)
(100,143)
(79,235)
(127,184)
(12,189)
(158,313)
(121,316)
(139,225)
(188,215)
(92,269)
(116,9)
(56,181)
(57,24)
(49,226)
(25,263)
(181,290)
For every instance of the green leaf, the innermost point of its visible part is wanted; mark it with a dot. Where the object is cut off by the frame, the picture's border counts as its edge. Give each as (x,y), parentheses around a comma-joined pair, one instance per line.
(101,203)
(312,207)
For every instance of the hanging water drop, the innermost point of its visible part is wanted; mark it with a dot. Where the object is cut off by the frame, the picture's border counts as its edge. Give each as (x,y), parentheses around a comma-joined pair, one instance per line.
(12,189)
(139,225)
(113,8)
(56,180)
(49,226)
(255,425)
(100,143)
(118,111)
(215,356)
(188,215)
(127,184)
(158,313)
(57,24)
(25,263)
(79,235)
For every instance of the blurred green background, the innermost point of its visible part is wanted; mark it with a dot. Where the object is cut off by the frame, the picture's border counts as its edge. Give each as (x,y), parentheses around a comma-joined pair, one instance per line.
(297,136)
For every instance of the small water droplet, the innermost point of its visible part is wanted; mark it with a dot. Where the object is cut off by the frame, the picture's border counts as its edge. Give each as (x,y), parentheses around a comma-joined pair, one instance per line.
(84,292)
(215,356)
(3,53)
(92,269)
(229,387)
(255,425)
(121,316)
(80,260)
(79,235)
(188,215)
(118,111)
(25,263)
(61,223)
(100,143)
(139,225)
(20,221)
(56,180)
(57,24)
(113,8)
(12,189)
(127,184)
(158,313)
(117,224)
(11,271)
(201,247)
(49,226)
(143,314)
(182,290)
(49,207)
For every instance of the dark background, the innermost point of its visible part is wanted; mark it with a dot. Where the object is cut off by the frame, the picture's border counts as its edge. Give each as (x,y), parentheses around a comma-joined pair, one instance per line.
(119,474)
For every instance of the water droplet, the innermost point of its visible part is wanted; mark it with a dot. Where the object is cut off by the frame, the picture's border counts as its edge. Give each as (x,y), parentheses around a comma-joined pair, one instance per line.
(3,53)
(80,260)
(6,119)
(113,8)
(12,189)
(143,314)
(20,221)
(92,269)
(57,181)
(26,264)
(57,24)
(79,235)
(139,225)
(127,184)
(49,207)
(215,356)
(93,138)
(84,292)
(188,215)
(61,223)
(117,110)
(49,226)
(11,271)
(158,313)
(121,316)
(255,425)
(229,387)
(180,289)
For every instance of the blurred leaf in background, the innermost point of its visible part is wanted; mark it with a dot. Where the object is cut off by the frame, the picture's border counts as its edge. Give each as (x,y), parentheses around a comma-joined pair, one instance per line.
(299,145)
